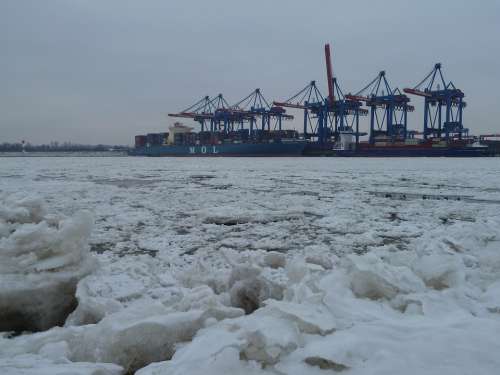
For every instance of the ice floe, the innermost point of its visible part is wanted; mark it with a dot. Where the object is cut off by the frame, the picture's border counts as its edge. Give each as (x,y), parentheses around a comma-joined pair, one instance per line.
(268,275)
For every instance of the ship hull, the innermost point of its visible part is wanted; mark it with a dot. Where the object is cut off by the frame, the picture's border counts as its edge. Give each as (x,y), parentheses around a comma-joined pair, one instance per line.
(327,149)
(411,152)
(229,149)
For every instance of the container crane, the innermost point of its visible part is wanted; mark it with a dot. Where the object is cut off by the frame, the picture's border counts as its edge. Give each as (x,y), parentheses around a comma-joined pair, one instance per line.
(201,111)
(388,109)
(438,94)
(342,116)
(341,113)
(310,100)
(255,105)
(206,109)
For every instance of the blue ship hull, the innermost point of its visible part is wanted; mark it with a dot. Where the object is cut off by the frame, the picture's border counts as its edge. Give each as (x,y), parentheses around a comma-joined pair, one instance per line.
(225,149)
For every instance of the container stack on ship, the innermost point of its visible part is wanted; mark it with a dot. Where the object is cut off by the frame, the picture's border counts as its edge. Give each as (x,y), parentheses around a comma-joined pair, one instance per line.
(252,127)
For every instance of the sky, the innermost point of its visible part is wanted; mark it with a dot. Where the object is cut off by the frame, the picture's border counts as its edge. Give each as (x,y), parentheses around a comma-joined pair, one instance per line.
(102,71)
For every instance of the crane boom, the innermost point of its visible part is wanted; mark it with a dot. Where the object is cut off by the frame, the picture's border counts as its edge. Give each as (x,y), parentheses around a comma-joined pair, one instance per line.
(190,115)
(183,115)
(289,105)
(329,74)
(417,92)
(358,98)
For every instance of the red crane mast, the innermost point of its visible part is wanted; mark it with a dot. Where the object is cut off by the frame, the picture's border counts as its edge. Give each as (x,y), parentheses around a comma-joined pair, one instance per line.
(329,74)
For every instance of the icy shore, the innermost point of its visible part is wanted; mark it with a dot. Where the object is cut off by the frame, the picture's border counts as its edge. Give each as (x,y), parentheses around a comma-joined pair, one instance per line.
(292,267)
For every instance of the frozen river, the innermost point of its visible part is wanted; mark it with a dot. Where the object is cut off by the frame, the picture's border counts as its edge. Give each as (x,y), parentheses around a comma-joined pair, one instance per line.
(372,265)
(176,206)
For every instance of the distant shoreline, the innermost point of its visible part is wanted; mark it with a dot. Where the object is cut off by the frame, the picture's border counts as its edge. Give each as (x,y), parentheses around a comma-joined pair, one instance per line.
(17,154)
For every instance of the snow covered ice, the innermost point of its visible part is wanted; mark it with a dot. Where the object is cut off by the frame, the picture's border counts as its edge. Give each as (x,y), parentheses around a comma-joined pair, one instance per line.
(41,260)
(249,266)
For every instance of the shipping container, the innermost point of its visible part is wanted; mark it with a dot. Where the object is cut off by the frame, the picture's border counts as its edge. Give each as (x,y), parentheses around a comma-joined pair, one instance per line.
(164,138)
(140,141)
(154,139)
(179,138)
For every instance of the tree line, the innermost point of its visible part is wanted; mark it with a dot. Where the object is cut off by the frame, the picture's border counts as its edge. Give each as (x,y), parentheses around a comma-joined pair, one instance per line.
(56,146)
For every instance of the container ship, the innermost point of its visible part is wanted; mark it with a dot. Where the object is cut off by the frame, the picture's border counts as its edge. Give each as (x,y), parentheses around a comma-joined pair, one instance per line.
(182,141)
(331,123)
(385,147)
(428,148)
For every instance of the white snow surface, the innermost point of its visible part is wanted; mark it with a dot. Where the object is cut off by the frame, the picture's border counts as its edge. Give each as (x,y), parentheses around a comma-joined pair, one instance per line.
(333,278)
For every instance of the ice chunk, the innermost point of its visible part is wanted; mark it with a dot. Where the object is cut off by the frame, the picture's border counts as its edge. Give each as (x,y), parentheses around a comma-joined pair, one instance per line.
(137,336)
(274,259)
(249,288)
(452,345)
(266,339)
(310,318)
(203,274)
(373,278)
(233,215)
(17,209)
(41,262)
(296,270)
(30,364)
(142,333)
(91,309)
(242,272)
(56,351)
(203,298)
(346,307)
(4,228)
(248,294)
(492,298)
(320,260)
(440,271)
(41,247)
(227,361)
(242,346)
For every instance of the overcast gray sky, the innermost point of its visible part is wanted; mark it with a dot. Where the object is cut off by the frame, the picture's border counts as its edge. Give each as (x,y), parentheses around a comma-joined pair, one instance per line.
(102,71)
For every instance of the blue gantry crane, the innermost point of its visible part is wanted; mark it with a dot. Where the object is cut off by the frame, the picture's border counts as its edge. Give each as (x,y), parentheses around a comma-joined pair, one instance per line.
(254,106)
(310,100)
(201,111)
(342,115)
(438,94)
(207,110)
(388,109)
